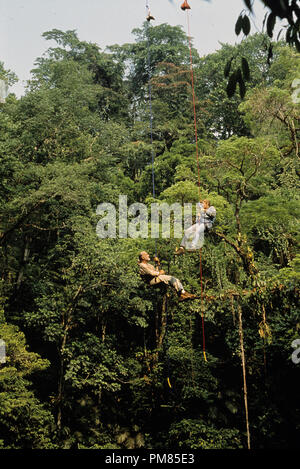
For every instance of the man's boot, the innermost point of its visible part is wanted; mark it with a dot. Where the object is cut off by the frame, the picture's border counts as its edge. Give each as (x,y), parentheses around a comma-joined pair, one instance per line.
(186,296)
(179,251)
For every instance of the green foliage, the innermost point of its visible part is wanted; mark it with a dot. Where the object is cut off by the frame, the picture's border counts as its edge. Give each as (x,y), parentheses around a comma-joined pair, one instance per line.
(193,434)
(282,9)
(218,78)
(96,358)
(25,422)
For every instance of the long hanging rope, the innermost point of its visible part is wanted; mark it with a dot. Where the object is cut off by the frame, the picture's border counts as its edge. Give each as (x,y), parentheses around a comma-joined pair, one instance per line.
(150,103)
(186,7)
(165,304)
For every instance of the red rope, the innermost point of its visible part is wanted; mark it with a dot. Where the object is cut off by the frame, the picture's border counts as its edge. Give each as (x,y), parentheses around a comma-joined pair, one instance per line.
(197,155)
(194,100)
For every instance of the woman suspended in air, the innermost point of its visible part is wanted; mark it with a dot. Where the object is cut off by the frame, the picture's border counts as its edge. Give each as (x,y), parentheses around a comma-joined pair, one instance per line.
(194,236)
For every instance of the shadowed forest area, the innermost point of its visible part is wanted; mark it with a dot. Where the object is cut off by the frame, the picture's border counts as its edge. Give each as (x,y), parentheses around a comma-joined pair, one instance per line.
(96,359)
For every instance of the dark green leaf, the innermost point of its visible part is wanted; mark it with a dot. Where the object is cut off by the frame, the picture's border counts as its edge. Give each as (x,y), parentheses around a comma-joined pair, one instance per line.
(242,88)
(288,35)
(283,5)
(246,26)
(241,82)
(278,7)
(228,67)
(248,4)
(231,86)
(238,25)
(245,69)
(270,54)
(278,35)
(294,33)
(270,24)
(297,44)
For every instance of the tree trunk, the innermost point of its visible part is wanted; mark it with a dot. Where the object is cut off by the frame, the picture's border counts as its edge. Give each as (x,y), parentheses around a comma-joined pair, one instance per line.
(161,322)
(244,373)
(67,319)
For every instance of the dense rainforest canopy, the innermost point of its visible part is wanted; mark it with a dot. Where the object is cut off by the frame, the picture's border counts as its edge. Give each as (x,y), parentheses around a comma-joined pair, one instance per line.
(89,346)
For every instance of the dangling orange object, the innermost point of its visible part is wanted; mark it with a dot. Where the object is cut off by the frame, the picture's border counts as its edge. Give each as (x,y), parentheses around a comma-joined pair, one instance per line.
(150,17)
(185,6)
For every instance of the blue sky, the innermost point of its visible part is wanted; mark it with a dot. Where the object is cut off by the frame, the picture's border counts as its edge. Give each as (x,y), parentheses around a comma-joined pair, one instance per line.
(108,22)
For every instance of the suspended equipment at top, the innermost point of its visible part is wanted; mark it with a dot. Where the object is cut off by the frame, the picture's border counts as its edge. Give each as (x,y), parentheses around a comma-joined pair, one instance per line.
(185,6)
(150,17)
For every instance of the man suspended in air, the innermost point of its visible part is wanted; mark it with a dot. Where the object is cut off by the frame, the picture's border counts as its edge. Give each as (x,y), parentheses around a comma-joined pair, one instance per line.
(194,236)
(154,276)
